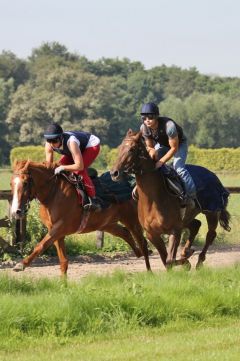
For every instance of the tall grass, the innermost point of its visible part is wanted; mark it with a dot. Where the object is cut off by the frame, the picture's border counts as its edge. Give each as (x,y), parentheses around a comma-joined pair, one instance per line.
(118,302)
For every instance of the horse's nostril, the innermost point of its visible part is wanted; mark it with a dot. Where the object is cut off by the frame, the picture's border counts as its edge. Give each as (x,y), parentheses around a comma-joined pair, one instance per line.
(115,173)
(18,211)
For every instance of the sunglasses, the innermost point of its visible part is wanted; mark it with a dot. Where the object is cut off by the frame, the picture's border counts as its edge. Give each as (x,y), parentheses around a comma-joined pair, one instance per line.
(148,116)
(54,141)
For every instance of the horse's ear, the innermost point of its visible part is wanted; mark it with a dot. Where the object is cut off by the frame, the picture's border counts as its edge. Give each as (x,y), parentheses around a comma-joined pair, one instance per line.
(129,132)
(138,136)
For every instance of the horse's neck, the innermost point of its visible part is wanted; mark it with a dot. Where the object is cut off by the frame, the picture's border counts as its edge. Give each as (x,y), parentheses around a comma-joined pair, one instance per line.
(43,185)
(151,187)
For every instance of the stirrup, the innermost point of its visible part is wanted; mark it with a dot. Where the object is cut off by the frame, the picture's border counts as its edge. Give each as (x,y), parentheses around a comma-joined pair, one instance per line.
(92,205)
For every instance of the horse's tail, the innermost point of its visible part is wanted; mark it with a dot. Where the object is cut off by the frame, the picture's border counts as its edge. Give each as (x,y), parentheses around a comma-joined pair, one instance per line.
(224,219)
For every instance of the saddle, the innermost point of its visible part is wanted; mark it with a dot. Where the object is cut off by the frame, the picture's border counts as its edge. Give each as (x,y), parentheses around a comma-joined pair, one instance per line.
(107,191)
(174,183)
(77,181)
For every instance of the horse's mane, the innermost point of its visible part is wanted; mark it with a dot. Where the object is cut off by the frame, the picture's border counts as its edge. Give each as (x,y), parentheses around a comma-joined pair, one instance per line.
(24,165)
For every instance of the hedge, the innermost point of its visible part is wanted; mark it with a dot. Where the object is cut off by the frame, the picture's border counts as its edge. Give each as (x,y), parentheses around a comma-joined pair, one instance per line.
(223,159)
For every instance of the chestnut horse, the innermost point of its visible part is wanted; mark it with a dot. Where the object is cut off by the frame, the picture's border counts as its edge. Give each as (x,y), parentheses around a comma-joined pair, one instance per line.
(159,210)
(63,214)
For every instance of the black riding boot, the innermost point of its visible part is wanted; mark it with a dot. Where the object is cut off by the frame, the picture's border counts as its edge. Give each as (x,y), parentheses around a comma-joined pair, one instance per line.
(91,203)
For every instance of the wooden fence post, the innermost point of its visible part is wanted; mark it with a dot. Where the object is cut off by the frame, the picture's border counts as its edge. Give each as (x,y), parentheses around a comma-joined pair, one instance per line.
(100,239)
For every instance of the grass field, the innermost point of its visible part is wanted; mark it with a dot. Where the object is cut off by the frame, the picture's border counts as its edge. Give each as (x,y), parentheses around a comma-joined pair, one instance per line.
(166,316)
(174,316)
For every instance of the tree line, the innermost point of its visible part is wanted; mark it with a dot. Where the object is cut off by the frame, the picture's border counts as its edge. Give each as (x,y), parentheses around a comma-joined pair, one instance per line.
(105,97)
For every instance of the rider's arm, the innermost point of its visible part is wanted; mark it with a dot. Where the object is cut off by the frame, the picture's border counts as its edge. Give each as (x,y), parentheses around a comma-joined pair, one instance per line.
(48,153)
(148,141)
(150,148)
(173,143)
(77,157)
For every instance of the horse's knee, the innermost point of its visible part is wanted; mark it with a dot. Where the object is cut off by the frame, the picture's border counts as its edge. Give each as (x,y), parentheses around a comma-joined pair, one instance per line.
(211,235)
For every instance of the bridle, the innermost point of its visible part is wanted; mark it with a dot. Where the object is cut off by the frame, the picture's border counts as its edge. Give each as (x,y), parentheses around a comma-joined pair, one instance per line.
(28,183)
(140,153)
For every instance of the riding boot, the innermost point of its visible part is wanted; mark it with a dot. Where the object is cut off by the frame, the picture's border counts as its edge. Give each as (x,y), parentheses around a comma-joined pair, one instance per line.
(91,203)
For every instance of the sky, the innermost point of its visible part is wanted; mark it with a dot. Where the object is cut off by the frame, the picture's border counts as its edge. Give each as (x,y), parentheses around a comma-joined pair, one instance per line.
(187,33)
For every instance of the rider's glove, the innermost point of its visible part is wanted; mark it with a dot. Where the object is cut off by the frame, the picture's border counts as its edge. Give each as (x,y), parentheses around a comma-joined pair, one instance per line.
(59,169)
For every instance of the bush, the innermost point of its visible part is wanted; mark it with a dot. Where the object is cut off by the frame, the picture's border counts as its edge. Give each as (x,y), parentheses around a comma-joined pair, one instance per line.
(223,159)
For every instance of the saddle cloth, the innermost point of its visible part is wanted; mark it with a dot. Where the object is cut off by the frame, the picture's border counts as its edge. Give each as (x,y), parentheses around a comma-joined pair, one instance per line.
(211,194)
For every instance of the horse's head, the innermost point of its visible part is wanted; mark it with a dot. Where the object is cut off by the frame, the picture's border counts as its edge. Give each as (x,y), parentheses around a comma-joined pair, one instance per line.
(132,158)
(21,184)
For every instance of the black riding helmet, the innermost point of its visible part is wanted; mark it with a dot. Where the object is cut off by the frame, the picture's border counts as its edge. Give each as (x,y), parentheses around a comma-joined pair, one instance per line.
(150,108)
(53,132)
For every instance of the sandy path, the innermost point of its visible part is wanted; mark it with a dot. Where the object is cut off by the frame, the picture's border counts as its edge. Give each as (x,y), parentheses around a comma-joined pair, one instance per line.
(83,265)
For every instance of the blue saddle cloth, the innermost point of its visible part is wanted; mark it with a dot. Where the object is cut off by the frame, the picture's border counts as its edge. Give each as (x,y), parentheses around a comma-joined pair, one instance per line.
(211,194)
(110,192)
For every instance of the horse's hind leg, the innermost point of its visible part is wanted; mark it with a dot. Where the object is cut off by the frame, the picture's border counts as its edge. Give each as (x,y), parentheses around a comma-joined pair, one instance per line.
(212,221)
(193,227)
(61,251)
(136,231)
(158,242)
(119,231)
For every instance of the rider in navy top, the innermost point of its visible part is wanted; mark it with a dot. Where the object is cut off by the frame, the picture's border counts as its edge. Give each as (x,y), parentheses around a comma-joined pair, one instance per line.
(78,150)
(165,139)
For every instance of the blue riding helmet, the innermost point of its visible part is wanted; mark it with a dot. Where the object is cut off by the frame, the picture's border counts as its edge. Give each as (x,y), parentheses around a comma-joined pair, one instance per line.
(53,131)
(150,108)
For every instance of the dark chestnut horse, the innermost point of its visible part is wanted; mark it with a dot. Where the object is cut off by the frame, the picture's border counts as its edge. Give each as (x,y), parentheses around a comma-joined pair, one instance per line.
(63,214)
(159,210)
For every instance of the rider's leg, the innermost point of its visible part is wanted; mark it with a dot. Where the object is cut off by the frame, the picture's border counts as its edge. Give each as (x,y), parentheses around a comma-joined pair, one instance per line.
(179,165)
(89,155)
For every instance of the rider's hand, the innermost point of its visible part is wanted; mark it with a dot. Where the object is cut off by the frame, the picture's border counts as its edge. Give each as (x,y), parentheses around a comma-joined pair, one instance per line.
(159,164)
(59,169)
(152,152)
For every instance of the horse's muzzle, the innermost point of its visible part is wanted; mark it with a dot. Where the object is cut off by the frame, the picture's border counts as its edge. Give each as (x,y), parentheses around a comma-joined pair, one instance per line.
(18,214)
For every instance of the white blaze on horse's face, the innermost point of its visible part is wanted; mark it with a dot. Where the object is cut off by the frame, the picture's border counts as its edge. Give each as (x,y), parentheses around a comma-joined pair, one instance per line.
(16,206)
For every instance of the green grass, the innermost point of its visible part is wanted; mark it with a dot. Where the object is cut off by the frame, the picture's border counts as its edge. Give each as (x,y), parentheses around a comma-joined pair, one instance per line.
(167,316)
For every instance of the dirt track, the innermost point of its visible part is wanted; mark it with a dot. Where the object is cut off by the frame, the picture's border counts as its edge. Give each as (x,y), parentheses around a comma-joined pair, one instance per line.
(83,265)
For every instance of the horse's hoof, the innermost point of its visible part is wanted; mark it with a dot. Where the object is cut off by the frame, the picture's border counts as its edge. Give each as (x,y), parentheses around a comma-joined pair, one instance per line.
(150,252)
(19,267)
(188,253)
(199,265)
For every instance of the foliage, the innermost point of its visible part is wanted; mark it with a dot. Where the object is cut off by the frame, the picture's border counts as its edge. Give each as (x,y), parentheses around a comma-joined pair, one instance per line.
(105,97)
(34,153)
(224,159)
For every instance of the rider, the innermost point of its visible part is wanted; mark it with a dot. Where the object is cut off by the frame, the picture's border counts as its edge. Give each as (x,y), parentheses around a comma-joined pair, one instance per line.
(79,150)
(165,139)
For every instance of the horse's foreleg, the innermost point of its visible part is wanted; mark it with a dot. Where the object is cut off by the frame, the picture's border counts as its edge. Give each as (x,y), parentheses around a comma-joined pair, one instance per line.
(174,240)
(40,248)
(61,251)
(193,227)
(212,220)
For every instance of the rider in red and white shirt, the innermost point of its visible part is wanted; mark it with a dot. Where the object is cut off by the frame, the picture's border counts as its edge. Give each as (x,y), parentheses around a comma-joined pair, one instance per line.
(79,150)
